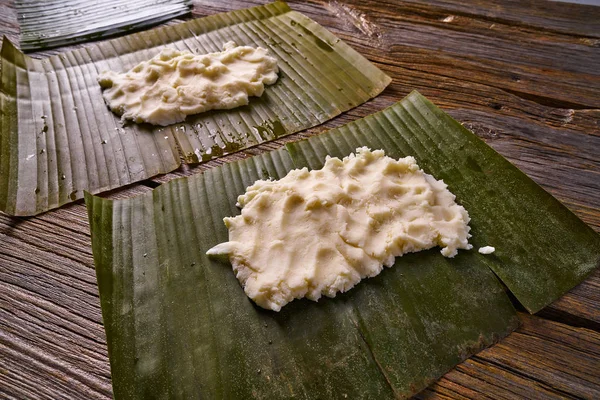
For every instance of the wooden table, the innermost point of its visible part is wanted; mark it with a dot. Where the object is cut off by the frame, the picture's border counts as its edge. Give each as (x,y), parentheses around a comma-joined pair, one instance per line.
(524,75)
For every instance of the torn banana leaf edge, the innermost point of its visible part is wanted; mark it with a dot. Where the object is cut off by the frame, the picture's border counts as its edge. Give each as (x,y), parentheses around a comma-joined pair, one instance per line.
(179,325)
(58,138)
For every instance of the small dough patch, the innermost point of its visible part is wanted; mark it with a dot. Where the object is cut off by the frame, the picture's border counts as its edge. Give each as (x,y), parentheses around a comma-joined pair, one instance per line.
(320,232)
(174,84)
(487,250)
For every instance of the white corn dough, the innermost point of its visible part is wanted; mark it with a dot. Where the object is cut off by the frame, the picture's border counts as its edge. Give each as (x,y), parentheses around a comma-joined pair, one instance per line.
(487,250)
(174,84)
(320,232)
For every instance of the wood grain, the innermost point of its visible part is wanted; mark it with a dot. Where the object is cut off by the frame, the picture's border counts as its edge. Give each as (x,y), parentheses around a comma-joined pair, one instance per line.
(523,75)
(542,359)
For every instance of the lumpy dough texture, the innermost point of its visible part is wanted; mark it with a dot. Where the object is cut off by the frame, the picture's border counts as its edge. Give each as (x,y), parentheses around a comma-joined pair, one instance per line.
(174,84)
(320,232)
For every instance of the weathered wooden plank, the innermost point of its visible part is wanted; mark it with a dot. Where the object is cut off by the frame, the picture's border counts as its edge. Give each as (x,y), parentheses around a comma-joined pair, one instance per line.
(8,21)
(539,66)
(52,340)
(43,355)
(540,17)
(542,359)
(574,19)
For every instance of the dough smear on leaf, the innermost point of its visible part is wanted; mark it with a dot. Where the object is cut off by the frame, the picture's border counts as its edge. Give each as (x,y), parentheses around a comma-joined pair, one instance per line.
(174,84)
(314,233)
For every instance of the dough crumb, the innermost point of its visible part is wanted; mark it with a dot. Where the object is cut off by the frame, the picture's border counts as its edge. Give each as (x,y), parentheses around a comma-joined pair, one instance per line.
(487,250)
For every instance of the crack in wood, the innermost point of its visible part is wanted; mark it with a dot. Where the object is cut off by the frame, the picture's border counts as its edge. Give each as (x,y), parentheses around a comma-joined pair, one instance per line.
(565,317)
(550,102)
(524,375)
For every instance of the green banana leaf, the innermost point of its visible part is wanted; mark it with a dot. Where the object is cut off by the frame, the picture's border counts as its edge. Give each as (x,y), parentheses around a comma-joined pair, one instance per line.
(54,23)
(58,139)
(179,325)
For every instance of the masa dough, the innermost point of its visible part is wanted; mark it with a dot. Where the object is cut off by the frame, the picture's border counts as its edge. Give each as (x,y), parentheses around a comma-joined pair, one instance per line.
(173,84)
(320,232)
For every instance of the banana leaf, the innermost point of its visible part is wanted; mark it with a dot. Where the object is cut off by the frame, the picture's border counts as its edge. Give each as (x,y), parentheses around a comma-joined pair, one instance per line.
(179,325)
(58,138)
(54,23)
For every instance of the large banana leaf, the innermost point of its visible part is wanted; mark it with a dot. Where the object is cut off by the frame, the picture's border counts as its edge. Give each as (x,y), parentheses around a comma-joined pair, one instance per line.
(58,139)
(53,23)
(179,325)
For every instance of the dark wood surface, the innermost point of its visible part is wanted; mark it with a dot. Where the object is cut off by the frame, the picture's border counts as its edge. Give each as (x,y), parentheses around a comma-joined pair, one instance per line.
(524,75)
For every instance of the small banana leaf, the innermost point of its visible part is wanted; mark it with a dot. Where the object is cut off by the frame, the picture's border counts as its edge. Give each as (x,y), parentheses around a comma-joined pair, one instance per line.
(58,138)
(54,23)
(179,325)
